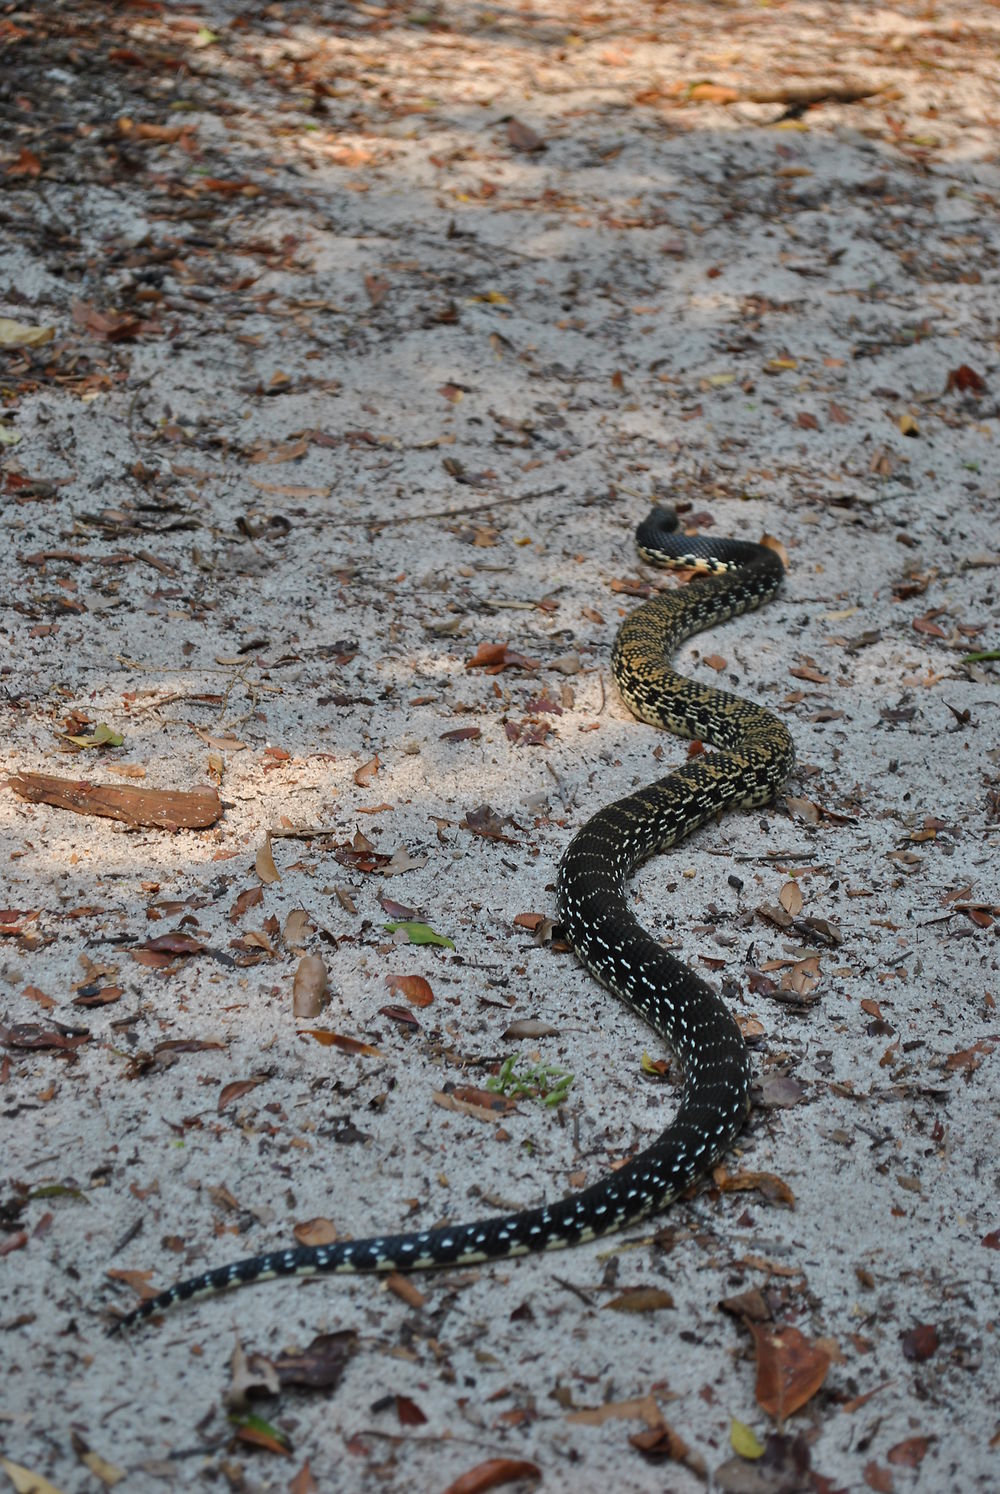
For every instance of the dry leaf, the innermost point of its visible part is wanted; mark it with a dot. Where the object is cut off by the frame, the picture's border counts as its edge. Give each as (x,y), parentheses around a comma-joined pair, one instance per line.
(315,1232)
(107,1472)
(803,809)
(790,898)
(236,1090)
(642,1408)
(321,1365)
(26,1482)
(523,138)
(491,1474)
(364,775)
(298,925)
(773,1188)
(414,987)
(303,1482)
(909,1453)
(790,1369)
(641,1299)
(712,93)
(920,1343)
(309,987)
(337,1040)
(405,1289)
(264,863)
(771,543)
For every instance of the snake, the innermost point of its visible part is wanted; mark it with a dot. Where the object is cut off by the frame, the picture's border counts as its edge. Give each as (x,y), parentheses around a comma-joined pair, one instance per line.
(752,758)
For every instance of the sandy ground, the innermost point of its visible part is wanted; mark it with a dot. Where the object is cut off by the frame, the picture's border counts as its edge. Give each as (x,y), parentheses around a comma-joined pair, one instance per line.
(374,331)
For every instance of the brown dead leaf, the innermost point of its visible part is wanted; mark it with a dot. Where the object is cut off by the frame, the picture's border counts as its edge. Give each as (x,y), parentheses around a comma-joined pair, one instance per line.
(139,1281)
(337,1040)
(967,1060)
(248,898)
(234,1091)
(790,1369)
(751,1305)
(770,1187)
(491,1474)
(771,542)
(405,1289)
(910,1453)
(264,863)
(790,898)
(712,93)
(315,1232)
(304,1482)
(320,1366)
(481,1104)
(920,1343)
(965,380)
(641,1299)
(415,988)
(663,1442)
(364,775)
(639,1408)
(297,927)
(256,1436)
(494,657)
(309,987)
(30,1036)
(523,138)
(462,734)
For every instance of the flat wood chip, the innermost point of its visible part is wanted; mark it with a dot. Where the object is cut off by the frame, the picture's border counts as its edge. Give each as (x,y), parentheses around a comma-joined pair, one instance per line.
(164,809)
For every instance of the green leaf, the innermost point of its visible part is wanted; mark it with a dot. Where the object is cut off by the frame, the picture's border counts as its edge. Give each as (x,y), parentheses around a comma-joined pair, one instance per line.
(57,1190)
(101,736)
(420,933)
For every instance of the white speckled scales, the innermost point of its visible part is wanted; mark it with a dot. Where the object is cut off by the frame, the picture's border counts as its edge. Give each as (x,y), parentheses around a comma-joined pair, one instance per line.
(753,761)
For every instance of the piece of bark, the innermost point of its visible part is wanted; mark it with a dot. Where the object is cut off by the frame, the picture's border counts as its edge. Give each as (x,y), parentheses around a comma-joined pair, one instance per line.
(164,809)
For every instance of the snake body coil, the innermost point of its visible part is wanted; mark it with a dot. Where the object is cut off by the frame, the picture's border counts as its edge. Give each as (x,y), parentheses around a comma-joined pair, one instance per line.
(754,757)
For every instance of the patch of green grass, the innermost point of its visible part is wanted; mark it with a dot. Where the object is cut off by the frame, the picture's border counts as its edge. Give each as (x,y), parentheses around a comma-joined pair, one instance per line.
(545,1082)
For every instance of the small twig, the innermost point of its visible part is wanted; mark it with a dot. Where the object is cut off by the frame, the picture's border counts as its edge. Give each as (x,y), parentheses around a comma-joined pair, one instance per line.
(446,513)
(305,832)
(571,1286)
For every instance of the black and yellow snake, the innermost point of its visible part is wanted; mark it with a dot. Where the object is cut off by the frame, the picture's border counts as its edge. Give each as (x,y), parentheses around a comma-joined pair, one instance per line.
(754,757)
